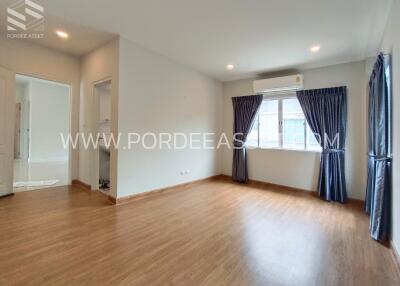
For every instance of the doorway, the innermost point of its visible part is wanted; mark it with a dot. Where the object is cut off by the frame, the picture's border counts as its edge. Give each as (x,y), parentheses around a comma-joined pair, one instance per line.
(102,125)
(42,119)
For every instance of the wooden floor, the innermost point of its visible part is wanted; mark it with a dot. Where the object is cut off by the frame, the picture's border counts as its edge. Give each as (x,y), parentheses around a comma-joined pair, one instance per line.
(213,233)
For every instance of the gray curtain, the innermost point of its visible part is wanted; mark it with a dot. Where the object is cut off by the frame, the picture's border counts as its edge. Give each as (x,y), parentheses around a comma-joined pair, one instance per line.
(378,193)
(245,109)
(326,113)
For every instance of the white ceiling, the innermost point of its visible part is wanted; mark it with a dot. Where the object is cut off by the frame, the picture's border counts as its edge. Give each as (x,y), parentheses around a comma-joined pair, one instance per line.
(257,36)
(82,40)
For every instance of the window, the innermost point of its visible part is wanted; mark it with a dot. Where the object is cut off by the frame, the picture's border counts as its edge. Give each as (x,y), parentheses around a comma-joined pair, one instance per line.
(280,123)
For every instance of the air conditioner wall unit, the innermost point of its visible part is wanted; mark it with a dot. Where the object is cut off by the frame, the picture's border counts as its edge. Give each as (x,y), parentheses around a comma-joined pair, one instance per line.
(285,83)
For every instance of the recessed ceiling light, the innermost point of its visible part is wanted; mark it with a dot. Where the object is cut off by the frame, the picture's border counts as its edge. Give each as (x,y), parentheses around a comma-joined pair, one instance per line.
(315,49)
(62,34)
(230,67)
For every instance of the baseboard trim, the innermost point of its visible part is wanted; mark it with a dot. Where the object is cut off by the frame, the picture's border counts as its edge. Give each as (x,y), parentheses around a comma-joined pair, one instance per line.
(156,192)
(6,195)
(356,201)
(88,188)
(288,188)
(396,255)
(107,196)
(82,185)
(271,185)
(161,191)
(278,186)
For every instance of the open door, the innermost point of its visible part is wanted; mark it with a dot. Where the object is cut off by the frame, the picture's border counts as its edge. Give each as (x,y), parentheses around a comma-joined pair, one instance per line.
(7,107)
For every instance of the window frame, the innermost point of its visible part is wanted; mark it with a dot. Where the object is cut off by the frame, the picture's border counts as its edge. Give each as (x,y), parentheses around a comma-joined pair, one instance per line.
(280,97)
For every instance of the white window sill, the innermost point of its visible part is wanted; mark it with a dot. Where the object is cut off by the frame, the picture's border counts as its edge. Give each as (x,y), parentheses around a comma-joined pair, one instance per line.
(281,149)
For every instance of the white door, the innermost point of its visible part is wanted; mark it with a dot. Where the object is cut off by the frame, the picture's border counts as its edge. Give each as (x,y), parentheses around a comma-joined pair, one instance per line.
(7,107)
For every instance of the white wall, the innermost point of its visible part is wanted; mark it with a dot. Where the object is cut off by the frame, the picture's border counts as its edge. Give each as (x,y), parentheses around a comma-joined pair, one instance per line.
(300,168)
(49,117)
(26,58)
(98,65)
(159,95)
(391,44)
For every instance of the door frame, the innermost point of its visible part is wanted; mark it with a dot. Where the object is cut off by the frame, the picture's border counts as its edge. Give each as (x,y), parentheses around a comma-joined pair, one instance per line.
(71,109)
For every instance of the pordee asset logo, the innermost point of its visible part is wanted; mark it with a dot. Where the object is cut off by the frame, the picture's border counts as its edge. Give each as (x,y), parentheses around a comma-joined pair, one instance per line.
(25,19)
